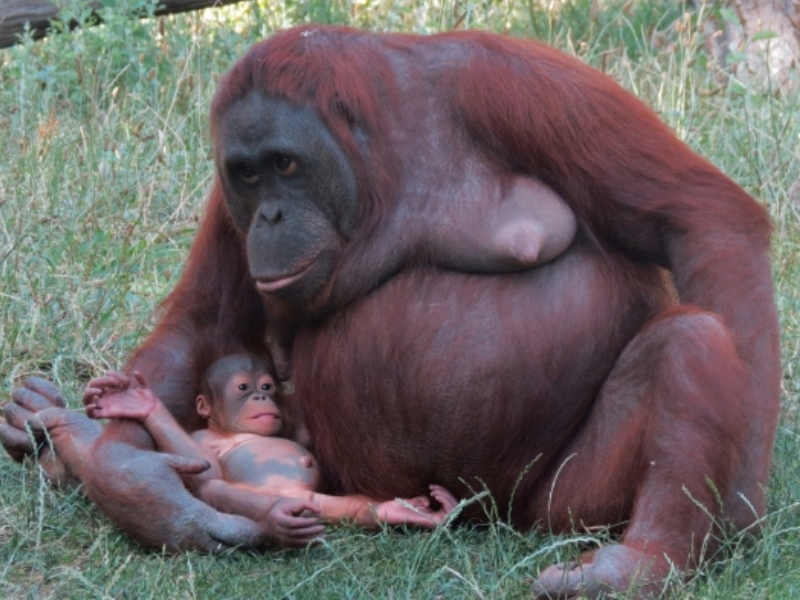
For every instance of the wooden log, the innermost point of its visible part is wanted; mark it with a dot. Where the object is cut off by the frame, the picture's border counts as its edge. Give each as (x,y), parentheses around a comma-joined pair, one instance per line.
(40,14)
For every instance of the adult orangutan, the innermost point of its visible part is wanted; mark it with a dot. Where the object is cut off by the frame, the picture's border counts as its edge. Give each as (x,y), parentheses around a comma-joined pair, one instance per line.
(363,182)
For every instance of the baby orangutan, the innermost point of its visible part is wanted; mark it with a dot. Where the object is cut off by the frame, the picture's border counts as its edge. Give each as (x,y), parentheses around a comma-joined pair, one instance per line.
(250,470)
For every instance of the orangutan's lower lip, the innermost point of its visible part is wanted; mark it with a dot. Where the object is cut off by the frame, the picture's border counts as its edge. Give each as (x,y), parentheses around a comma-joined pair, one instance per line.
(266,416)
(267,286)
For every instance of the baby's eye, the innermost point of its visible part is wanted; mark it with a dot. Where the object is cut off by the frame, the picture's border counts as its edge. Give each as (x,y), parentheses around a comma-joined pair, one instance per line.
(242,386)
(266,387)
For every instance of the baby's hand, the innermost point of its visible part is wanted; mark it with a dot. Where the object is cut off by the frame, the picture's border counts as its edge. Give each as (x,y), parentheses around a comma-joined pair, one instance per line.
(292,522)
(109,383)
(112,396)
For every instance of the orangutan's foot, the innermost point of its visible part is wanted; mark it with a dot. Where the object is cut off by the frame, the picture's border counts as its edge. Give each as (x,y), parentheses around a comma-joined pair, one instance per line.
(615,568)
(38,425)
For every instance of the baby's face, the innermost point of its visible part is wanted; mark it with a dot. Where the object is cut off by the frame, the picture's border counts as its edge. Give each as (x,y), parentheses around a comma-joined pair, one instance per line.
(248,406)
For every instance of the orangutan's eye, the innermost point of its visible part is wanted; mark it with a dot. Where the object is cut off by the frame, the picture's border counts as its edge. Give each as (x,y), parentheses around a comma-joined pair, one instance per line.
(285,165)
(266,387)
(242,386)
(247,174)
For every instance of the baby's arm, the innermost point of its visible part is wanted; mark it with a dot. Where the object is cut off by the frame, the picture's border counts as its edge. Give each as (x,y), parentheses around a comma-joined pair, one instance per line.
(369,514)
(284,521)
(112,397)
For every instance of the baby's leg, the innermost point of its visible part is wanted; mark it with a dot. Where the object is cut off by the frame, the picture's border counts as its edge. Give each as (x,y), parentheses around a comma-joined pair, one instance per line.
(370,513)
(417,511)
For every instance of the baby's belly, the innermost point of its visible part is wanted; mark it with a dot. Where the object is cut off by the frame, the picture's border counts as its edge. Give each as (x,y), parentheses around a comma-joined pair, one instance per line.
(271,465)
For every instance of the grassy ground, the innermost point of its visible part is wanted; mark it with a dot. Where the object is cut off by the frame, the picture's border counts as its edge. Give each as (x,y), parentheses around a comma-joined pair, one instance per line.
(103,175)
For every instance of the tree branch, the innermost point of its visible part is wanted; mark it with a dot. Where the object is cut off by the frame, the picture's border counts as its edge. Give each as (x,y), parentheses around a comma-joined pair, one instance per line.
(14,14)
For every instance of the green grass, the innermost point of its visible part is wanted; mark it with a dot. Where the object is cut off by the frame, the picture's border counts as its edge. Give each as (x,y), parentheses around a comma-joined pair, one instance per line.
(103,176)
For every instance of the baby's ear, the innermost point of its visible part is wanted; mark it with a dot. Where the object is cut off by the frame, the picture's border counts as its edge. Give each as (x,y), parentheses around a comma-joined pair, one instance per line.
(203,406)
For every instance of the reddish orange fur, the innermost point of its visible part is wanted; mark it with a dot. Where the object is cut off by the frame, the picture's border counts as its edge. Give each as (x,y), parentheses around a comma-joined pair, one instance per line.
(592,388)
(638,191)
(640,196)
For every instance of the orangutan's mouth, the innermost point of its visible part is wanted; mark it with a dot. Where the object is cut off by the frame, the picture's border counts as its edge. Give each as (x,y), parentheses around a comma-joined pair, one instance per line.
(267,285)
(266,415)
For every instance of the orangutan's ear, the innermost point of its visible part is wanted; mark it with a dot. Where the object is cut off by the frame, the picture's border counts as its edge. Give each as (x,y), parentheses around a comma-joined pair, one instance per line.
(203,406)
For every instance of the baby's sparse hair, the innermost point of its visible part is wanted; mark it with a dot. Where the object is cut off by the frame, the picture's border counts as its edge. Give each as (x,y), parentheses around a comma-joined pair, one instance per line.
(222,369)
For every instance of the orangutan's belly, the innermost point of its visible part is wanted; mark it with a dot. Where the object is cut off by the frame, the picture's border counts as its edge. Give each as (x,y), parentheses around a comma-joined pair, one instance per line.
(446,377)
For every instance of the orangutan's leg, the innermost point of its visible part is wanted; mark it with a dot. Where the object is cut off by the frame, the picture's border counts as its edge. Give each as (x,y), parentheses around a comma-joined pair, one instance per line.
(664,447)
(140,490)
